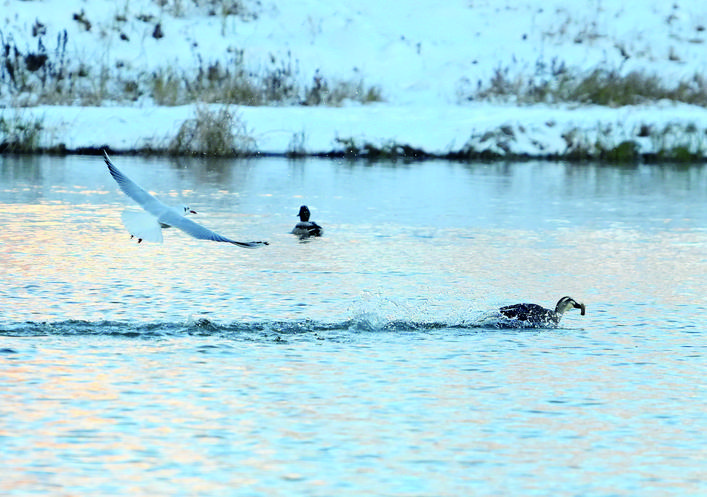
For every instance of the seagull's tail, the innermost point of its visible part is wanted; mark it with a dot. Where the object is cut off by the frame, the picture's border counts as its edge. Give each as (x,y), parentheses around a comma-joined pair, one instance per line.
(142,225)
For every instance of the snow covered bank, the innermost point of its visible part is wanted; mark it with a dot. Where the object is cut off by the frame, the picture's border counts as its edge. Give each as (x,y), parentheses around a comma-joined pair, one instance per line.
(486,130)
(419,52)
(427,61)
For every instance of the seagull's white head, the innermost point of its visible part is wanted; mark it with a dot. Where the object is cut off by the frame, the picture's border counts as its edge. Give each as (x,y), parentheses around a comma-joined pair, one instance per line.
(188,210)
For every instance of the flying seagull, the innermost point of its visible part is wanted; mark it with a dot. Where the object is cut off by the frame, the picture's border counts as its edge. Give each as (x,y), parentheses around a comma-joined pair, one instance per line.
(148,225)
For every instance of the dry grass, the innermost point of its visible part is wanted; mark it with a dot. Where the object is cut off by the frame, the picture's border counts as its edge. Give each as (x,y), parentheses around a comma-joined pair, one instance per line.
(20,134)
(598,87)
(47,76)
(214,133)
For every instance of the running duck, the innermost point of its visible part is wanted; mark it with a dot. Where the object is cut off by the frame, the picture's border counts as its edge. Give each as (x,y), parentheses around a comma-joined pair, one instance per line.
(537,315)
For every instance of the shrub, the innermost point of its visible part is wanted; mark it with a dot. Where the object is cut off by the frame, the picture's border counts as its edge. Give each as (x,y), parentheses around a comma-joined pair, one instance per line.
(53,77)
(626,151)
(213,133)
(296,147)
(321,93)
(350,148)
(599,87)
(603,87)
(19,134)
(224,8)
(165,88)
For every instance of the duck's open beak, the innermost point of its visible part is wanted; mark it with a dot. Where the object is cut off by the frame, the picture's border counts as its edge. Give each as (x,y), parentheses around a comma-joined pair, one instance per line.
(582,308)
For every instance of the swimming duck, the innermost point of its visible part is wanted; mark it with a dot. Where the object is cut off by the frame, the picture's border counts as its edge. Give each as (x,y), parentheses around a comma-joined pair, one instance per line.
(538,315)
(306,228)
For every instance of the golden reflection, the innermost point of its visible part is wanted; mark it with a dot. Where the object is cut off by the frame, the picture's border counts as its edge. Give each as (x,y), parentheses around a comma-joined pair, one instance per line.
(77,262)
(162,414)
(152,411)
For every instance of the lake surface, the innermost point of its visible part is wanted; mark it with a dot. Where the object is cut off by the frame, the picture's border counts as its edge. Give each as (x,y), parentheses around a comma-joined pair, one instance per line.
(364,362)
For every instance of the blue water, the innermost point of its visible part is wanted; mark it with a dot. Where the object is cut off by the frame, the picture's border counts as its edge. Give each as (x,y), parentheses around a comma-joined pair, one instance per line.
(363,362)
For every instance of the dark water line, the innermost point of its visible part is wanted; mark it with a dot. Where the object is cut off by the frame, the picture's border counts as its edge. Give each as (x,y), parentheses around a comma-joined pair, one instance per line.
(263,329)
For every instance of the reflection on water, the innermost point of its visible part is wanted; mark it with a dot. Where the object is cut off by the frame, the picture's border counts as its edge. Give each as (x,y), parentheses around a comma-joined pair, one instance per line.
(445,234)
(345,365)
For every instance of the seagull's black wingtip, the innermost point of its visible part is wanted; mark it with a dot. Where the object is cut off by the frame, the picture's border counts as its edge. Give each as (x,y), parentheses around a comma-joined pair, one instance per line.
(249,244)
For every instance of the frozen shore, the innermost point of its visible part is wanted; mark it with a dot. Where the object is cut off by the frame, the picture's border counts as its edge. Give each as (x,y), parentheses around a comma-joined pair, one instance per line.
(475,130)
(79,76)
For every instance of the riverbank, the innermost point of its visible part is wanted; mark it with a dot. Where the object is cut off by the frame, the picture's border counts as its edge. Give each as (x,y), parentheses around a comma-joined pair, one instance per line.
(489,80)
(664,131)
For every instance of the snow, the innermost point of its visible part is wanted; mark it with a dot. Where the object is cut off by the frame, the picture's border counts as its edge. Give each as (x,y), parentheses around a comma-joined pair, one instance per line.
(424,56)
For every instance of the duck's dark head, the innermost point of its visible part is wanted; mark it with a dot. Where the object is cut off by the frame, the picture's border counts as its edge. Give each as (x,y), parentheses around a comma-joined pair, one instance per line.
(566,303)
(303,213)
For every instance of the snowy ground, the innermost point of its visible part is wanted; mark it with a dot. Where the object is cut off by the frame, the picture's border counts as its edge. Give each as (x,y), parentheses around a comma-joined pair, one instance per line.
(425,57)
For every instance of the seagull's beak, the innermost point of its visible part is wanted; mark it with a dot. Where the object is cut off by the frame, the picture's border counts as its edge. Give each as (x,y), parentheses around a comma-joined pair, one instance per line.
(192,212)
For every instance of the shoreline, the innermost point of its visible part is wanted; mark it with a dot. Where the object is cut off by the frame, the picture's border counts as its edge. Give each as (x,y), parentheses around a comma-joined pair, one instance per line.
(608,158)
(660,132)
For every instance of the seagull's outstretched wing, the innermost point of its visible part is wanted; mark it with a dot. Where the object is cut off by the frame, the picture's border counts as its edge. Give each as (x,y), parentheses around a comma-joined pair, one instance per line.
(165,214)
(173,218)
(134,191)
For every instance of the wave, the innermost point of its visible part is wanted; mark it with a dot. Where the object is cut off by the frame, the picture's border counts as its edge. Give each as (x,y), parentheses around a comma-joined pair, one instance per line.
(254,330)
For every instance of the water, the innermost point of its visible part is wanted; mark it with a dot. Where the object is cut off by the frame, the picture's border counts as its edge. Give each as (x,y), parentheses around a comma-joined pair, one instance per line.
(359,363)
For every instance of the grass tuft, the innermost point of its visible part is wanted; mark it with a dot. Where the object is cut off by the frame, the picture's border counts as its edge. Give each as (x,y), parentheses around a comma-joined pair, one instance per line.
(598,87)
(19,134)
(296,148)
(626,151)
(213,133)
(51,76)
(350,148)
